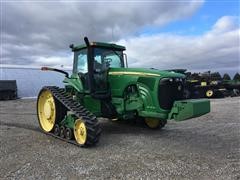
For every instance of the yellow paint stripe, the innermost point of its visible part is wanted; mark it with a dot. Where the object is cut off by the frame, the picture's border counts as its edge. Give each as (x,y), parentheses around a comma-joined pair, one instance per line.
(133,73)
(193,80)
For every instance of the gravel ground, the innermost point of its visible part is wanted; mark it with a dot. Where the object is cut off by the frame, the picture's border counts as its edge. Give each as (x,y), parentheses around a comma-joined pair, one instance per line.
(207,147)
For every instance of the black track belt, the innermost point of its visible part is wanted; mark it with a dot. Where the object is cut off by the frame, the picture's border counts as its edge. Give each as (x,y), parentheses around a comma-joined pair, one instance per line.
(80,112)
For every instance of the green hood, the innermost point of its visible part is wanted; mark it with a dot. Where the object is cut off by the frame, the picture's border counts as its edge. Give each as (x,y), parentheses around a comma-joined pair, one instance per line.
(143,72)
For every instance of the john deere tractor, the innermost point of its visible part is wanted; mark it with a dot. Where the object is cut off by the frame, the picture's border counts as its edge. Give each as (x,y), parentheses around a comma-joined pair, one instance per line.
(101,85)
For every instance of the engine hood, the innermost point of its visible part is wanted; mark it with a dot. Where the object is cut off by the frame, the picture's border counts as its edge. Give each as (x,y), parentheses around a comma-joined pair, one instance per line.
(144,72)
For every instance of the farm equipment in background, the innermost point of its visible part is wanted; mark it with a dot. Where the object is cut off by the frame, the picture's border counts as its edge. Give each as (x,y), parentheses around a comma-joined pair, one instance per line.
(8,89)
(208,85)
(102,85)
(232,86)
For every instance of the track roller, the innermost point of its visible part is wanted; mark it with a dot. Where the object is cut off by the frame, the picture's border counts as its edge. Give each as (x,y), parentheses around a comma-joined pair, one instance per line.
(68,133)
(62,131)
(56,130)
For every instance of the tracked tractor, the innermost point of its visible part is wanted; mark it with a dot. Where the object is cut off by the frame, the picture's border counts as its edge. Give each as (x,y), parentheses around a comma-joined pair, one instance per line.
(102,85)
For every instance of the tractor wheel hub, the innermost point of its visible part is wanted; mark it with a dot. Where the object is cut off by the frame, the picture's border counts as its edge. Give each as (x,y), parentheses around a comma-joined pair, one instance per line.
(48,110)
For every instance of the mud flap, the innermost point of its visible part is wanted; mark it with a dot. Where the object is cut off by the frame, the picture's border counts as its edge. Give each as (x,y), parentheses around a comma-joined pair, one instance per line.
(186,109)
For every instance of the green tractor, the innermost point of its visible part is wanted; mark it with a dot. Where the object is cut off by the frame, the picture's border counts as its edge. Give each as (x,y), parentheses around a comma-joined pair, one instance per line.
(101,85)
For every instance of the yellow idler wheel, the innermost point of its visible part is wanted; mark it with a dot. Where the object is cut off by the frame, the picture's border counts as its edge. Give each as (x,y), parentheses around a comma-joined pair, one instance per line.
(80,131)
(209,93)
(46,110)
(152,123)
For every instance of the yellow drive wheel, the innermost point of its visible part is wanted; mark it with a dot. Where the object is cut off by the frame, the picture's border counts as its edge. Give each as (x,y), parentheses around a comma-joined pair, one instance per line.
(152,122)
(209,93)
(46,109)
(80,131)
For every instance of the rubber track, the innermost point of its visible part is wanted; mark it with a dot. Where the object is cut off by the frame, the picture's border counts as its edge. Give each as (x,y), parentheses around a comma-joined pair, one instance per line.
(91,122)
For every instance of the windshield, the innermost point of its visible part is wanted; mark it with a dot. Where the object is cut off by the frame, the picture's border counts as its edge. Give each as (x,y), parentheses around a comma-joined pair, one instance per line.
(111,57)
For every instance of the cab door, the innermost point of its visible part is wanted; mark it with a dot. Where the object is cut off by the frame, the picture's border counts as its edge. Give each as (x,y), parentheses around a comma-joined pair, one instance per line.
(100,72)
(103,59)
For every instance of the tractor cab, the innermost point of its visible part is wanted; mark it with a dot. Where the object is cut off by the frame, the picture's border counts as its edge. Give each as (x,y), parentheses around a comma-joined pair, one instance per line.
(92,62)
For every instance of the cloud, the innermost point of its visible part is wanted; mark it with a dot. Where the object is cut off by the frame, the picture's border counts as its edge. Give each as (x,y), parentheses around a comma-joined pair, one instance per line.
(217,49)
(54,61)
(37,34)
(225,24)
(34,30)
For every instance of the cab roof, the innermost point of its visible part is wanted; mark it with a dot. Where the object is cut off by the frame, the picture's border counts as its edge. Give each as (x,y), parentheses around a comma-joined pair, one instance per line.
(100,44)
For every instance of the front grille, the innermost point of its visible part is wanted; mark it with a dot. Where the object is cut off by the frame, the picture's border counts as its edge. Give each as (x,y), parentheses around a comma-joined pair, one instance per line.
(170,90)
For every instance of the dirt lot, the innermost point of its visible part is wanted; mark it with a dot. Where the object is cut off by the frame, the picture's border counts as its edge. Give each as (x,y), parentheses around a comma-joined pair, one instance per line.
(203,148)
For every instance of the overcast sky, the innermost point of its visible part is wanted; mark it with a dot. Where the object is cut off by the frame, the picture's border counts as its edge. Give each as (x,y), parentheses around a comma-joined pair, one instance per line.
(196,35)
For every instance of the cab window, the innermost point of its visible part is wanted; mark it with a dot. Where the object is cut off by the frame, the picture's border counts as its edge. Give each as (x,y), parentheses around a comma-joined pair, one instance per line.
(109,57)
(81,61)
